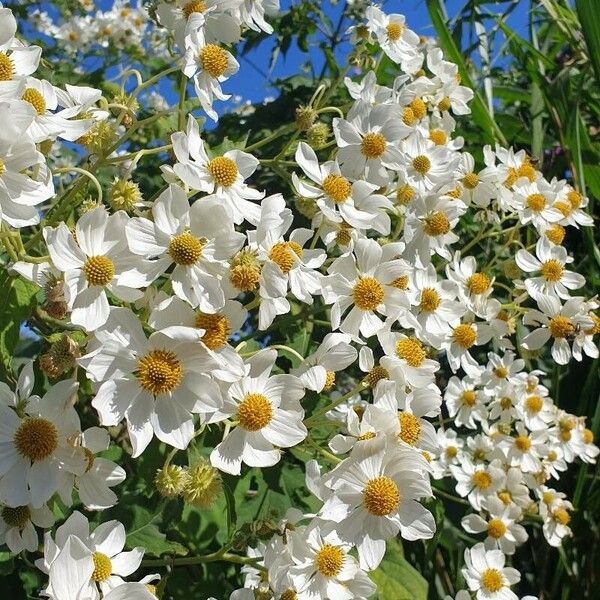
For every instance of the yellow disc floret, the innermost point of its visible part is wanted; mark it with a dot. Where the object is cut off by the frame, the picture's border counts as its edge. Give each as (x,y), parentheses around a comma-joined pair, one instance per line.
(368,293)
(217,329)
(552,270)
(195,6)
(373,145)
(213,60)
(478,283)
(102,567)
(481,480)
(394,31)
(561,327)
(16,517)
(7,67)
(329,560)
(411,350)
(99,270)
(338,188)
(465,335)
(36,438)
(436,224)
(496,528)
(36,99)
(254,412)
(430,300)
(284,254)
(410,428)
(159,372)
(536,202)
(185,249)
(492,580)
(223,170)
(421,164)
(381,496)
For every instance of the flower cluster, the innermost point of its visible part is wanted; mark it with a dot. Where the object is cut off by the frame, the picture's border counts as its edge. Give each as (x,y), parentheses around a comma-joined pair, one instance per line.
(423,380)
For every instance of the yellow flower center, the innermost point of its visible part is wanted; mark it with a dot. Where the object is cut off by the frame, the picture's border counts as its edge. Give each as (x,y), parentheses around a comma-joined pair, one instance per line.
(329,381)
(430,300)
(469,397)
(496,528)
(223,170)
(400,283)
(289,594)
(7,67)
(464,335)
(421,164)
(552,456)
(575,199)
(284,254)
(444,104)
(185,249)
(523,443)
(410,428)
(470,181)
(394,31)
(478,283)
(159,372)
(375,375)
(536,202)
(254,412)
(481,480)
(556,234)
(408,116)
(419,108)
(373,145)
(2,167)
(492,580)
(244,277)
(343,237)
(565,435)
(217,329)
(479,454)
(552,270)
(213,60)
(561,327)
(561,516)
(534,404)
(405,194)
(368,293)
(411,350)
(99,270)
(451,451)
(196,6)
(102,567)
(501,372)
(438,137)
(16,517)
(564,207)
(588,436)
(36,439)
(369,435)
(505,497)
(547,497)
(506,402)
(329,560)
(436,224)
(35,98)
(381,496)
(338,188)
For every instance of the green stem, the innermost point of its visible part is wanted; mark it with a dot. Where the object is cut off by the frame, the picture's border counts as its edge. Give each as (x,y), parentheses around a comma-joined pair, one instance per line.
(317,415)
(218,556)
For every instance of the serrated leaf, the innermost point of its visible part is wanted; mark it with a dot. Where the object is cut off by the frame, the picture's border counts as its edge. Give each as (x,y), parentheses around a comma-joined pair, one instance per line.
(144,532)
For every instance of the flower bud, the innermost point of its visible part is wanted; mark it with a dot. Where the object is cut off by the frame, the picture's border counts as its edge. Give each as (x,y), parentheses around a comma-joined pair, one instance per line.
(61,356)
(305,117)
(124,194)
(317,135)
(170,481)
(202,485)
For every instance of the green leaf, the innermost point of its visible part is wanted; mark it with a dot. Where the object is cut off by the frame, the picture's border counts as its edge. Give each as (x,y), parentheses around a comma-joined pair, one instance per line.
(396,579)
(17,297)
(590,24)
(144,532)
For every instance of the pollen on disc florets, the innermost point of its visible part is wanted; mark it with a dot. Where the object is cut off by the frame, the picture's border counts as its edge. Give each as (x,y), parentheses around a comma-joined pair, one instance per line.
(36,438)
(523,443)
(99,270)
(217,329)
(186,249)
(430,300)
(375,375)
(469,397)
(203,484)
(405,194)
(421,164)
(492,580)
(329,560)
(445,104)
(411,350)
(102,567)
(17,516)
(338,188)
(562,516)
(36,99)
(223,170)
(368,293)
(381,496)
(159,372)
(394,31)
(561,327)
(195,6)
(284,255)
(438,137)
(481,480)
(470,181)
(410,428)
(254,412)
(170,480)
(436,224)
(556,233)
(7,67)
(244,273)
(536,202)
(478,283)
(124,194)
(464,335)
(496,528)
(213,60)
(373,145)
(329,381)
(552,270)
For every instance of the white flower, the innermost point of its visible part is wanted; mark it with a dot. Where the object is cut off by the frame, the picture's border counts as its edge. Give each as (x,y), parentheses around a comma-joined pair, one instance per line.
(464,402)
(486,574)
(17,526)
(198,240)
(154,383)
(269,416)
(554,279)
(97,260)
(462,338)
(477,482)
(474,287)
(533,201)
(252,13)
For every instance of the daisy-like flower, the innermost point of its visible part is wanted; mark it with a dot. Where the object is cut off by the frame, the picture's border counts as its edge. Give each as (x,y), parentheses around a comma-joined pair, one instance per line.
(209,65)
(35,443)
(450,452)
(198,240)
(557,322)
(17,526)
(504,403)
(486,574)
(104,546)
(556,512)
(154,383)
(553,279)
(398,41)
(450,95)
(323,568)
(94,261)
(364,282)
(571,204)
(25,180)
(368,145)
(585,438)
(474,287)
(501,369)
(501,526)
(268,413)
(513,490)
(252,13)
(462,338)
(533,201)
(376,497)
(338,199)
(222,175)
(477,481)
(317,371)
(536,410)
(465,403)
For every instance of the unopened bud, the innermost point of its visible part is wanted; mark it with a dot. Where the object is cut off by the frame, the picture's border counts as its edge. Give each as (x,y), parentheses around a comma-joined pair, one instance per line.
(124,194)
(170,481)
(305,117)
(317,135)
(202,485)
(61,356)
